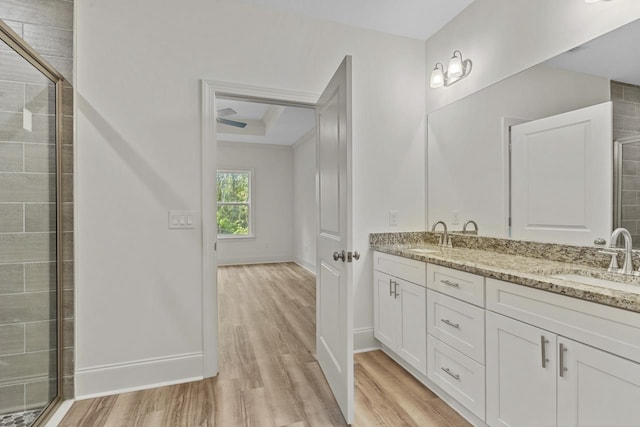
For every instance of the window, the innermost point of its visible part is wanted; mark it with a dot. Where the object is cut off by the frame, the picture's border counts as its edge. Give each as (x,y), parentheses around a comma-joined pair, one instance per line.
(234,203)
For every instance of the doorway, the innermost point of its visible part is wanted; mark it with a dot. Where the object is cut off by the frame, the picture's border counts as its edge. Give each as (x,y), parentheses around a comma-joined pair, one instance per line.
(265,183)
(334,290)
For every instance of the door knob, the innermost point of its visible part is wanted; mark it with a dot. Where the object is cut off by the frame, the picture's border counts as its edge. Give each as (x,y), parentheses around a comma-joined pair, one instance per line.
(337,255)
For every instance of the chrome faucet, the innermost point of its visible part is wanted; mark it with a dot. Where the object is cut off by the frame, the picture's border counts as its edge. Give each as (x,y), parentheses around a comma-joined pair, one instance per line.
(627,267)
(475,225)
(445,240)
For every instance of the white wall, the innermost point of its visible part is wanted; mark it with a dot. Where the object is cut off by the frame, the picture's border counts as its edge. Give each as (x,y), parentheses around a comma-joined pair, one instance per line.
(272,203)
(139,66)
(467,159)
(504,37)
(304,201)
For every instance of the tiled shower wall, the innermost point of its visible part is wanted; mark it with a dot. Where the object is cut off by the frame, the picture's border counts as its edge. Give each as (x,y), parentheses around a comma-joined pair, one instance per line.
(47,26)
(626,123)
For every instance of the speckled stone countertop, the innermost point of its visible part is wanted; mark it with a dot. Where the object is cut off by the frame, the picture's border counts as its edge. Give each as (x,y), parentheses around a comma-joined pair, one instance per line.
(523,270)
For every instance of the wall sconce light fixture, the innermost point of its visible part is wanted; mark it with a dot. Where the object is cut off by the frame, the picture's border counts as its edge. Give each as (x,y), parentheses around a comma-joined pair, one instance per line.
(458,69)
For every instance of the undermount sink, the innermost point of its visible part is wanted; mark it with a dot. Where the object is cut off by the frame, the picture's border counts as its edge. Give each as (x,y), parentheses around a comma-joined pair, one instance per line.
(602,283)
(423,251)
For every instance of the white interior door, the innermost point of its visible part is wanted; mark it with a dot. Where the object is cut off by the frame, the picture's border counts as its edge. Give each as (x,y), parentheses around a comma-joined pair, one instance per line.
(334,279)
(562,177)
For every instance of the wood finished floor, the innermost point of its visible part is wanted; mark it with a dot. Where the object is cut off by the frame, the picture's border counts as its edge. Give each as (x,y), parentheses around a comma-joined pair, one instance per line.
(268,373)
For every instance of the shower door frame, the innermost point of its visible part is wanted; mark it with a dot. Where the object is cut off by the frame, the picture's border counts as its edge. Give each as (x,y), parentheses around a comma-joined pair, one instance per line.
(15,42)
(618,144)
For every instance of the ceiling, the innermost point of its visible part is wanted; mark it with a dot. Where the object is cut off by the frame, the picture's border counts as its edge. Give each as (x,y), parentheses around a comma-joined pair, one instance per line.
(266,123)
(614,55)
(418,19)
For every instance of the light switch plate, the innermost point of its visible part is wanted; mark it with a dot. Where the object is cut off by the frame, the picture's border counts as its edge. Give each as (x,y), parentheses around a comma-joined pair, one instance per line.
(182,219)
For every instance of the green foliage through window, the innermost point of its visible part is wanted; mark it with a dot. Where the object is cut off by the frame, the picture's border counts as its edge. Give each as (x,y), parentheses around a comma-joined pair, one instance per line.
(234,202)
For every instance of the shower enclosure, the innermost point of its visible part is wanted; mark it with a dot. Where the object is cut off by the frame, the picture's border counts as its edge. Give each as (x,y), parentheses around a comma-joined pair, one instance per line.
(626,179)
(30,234)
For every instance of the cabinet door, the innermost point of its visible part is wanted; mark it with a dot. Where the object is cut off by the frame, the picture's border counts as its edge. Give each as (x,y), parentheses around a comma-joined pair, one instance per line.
(385,309)
(521,383)
(596,388)
(412,334)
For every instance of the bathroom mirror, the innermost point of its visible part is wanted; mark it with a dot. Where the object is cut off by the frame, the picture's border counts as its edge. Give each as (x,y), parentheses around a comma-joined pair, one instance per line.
(507,158)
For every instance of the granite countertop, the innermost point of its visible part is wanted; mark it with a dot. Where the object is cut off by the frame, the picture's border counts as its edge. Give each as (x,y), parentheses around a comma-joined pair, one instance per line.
(526,271)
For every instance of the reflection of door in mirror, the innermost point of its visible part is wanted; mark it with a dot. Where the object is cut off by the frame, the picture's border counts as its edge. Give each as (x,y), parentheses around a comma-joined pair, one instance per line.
(626,132)
(561,177)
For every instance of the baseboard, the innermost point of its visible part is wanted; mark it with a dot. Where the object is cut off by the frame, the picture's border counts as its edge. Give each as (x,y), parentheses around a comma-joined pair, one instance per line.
(310,267)
(138,375)
(254,260)
(363,340)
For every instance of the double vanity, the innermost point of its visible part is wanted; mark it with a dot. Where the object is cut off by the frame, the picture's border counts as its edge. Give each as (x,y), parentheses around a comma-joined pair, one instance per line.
(511,333)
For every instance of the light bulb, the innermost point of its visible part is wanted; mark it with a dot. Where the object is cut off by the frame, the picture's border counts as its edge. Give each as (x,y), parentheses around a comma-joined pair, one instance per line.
(437,77)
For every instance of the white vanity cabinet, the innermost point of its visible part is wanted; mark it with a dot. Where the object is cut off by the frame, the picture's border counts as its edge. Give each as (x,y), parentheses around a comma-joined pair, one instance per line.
(537,376)
(400,307)
(506,354)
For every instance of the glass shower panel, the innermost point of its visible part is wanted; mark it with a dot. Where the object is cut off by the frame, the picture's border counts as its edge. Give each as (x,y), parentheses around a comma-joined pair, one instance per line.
(28,233)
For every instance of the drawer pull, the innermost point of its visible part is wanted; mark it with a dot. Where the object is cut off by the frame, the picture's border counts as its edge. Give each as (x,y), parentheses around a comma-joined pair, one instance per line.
(543,347)
(390,288)
(452,284)
(450,323)
(561,352)
(448,371)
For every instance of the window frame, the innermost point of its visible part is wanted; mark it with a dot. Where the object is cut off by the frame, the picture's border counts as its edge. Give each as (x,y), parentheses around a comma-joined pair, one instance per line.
(248,203)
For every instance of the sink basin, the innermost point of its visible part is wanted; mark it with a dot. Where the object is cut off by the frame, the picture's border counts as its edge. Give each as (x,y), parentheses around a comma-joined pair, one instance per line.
(602,283)
(423,251)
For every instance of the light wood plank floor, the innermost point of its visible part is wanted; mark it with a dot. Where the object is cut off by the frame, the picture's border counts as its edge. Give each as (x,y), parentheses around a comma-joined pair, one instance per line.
(268,373)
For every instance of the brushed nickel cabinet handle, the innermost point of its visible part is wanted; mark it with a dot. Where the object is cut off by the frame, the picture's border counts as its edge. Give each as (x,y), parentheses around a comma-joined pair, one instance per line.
(543,349)
(562,350)
(390,289)
(448,283)
(450,323)
(395,289)
(448,371)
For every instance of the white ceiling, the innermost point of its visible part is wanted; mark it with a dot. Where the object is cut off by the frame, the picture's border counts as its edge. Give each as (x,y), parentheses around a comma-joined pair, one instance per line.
(266,123)
(418,19)
(614,55)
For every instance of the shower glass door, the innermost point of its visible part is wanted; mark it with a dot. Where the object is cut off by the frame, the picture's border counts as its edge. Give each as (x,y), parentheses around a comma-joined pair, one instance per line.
(29,363)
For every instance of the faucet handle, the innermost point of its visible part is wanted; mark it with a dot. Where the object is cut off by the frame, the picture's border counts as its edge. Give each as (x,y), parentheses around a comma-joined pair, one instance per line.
(613,265)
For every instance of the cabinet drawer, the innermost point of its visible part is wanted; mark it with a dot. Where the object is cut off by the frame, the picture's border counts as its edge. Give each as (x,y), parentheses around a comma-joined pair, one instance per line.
(458,284)
(403,268)
(611,329)
(456,323)
(458,375)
